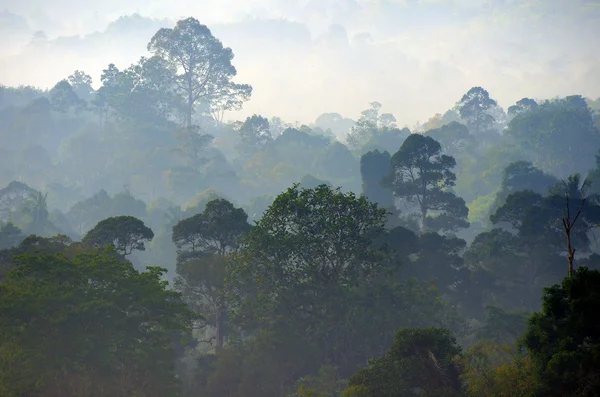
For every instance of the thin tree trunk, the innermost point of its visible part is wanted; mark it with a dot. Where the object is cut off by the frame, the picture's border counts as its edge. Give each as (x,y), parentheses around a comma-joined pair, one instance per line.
(219,330)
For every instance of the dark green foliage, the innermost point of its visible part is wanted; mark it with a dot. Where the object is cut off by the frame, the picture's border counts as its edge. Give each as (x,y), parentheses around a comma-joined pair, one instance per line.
(125,233)
(422,176)
(454,138)
(419,363)
(564,337)
(92,319)
(314,267)
(375,169)
(522,175)
(217,230)
(522,106)
(502,327)
(10,235)
(204,243)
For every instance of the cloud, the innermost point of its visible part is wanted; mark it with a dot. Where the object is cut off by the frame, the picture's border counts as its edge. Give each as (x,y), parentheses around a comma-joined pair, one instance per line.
(307,57)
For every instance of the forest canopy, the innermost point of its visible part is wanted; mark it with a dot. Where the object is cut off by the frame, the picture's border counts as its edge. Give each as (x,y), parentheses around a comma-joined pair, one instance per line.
(149,248)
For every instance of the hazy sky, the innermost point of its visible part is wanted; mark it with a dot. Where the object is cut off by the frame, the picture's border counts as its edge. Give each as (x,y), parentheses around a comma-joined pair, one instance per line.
(307,57)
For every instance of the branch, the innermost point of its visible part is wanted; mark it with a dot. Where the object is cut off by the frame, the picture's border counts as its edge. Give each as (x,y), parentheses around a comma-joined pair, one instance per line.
(578,212)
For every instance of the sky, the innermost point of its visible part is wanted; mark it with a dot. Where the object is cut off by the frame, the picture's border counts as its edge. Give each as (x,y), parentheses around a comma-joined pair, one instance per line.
(308,57)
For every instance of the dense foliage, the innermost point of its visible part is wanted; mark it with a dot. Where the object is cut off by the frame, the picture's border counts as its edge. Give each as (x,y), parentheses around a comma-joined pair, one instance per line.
(148,248)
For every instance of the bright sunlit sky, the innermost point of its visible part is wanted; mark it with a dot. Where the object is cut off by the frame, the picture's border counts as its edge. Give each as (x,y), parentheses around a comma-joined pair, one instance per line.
(304,58)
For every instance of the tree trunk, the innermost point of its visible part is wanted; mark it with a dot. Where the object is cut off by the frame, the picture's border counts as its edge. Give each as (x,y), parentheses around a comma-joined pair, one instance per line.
(190,102)
(219,330)
(423,218)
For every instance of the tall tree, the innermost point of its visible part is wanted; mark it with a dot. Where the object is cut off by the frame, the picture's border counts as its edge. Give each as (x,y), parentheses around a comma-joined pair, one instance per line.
(64,98)
(125,233)
(82,84)
(420,362)
(519,176)
(475,109)
(204,243)
(522,106)
(563,338)
(559,135)
(375,169)
(89,319)
(454,138)
(10,235)
(318,266)
(37,208)
(422,175)
(255,133)
(204,69)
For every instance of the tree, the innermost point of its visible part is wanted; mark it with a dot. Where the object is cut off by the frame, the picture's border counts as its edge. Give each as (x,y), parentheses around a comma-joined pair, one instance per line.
(563,338)
(203,64)
(422,175)
(204,243)
(522,175)
(217,230)
(145,92)
(255,133)
(37,208)
(88,324)
(375,131)
(125,233)
(453,137)
(63,97)
(10,235)
(523,105)
(318,266)
(559,135)
(474,108)
(375,169)
(307,257)
(419,363)
(14,197)
(575,192)
(437,259)
(81,84)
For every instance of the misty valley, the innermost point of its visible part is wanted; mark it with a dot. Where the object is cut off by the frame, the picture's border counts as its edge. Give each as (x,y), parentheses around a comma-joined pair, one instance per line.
(152,247)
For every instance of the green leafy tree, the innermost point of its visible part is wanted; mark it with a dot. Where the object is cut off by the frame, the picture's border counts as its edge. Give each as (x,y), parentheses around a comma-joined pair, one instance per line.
(125,233)
(375,169)
(204,69)
(419,363)
(563,338)
(204,243)
(254,135)
(318,266)
(520,176)
(10,235)
(89,325)
(422,175)
(560,135)
(475,109)
(453,137)
(522,106)
(437,259)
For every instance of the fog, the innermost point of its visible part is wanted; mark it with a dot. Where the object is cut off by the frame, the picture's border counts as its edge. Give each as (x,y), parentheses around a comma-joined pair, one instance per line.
(310,57)
(320,198)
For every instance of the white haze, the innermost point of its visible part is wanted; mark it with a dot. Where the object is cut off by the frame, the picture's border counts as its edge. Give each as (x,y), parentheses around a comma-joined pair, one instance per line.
(304,58)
